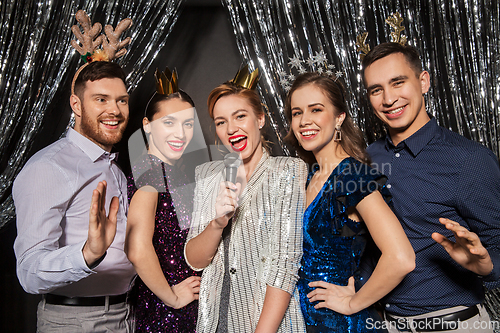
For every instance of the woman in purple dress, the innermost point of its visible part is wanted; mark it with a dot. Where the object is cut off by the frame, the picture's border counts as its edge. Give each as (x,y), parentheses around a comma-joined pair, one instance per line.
(164,294)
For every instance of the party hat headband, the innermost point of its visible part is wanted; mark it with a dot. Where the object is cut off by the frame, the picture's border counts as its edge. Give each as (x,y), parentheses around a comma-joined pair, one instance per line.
(246,79)
(396,35)
(166,82)
(91,39)
(317,63)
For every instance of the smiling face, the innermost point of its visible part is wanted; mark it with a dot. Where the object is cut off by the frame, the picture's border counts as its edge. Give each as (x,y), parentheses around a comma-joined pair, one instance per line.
(171,129)
(314,119)
(396,95)
(102,113)
(238,127)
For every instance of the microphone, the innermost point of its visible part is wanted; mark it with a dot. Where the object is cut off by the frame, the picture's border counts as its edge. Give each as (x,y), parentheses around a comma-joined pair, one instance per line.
(232,162)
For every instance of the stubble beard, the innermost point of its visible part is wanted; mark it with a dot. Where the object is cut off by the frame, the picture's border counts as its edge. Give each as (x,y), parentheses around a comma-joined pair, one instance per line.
(90,129)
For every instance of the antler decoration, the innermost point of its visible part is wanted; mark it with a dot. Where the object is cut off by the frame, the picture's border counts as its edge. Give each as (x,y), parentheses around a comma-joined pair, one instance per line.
(361,44)
(166,82)
(395,22)
(88,38)
(89,50)
(112,45)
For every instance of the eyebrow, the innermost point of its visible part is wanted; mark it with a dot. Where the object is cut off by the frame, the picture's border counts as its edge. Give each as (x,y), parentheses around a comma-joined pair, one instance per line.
(168,116)
(232,114)
(309,106)
(127,96)
(394,79)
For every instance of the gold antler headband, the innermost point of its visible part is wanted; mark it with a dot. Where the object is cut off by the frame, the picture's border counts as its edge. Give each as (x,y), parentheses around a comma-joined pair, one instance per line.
(90,41)
(246,79)
(394,21)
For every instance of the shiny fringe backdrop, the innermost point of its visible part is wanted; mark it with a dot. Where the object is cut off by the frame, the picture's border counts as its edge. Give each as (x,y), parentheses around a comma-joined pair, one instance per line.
(37,62)
(458,40)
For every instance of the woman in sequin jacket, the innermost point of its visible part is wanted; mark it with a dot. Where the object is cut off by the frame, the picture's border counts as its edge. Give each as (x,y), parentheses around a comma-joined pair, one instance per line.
(247,236)
(163,293)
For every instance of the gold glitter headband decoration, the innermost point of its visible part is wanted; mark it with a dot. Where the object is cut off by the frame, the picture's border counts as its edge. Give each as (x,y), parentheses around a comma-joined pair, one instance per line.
(246,79)
(90,40)
(166,82)
(394,21)
(317,63)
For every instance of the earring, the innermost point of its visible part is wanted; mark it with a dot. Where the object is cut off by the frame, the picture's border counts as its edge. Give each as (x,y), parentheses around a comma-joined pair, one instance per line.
(337,136)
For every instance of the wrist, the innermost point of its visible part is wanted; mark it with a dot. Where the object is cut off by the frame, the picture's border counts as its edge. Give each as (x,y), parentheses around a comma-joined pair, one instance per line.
(215,225)
(91,259)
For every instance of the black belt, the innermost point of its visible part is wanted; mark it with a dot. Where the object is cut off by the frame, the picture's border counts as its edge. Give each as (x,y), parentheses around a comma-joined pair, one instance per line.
(84,301)
(447,322)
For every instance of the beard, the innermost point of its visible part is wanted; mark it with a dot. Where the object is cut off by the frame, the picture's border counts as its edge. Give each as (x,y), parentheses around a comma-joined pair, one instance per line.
(91,129)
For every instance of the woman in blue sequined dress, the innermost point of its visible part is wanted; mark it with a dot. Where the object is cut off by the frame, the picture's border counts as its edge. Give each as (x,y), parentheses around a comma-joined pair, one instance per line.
(345,209)
(164,295)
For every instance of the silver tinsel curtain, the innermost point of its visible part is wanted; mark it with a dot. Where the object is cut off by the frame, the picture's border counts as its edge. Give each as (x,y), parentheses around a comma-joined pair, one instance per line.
(458,40)
(37,64)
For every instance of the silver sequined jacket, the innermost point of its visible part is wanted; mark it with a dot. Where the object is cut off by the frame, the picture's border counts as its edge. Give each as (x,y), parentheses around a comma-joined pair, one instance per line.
(265,245)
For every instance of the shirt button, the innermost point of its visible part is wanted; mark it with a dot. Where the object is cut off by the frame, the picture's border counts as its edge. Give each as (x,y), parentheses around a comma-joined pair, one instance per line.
(389,185)
(387,305)
(398,154)
(232,270)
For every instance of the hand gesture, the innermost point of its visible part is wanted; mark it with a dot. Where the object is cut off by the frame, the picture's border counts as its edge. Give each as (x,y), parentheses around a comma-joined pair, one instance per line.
(332,296)
(102,228)
(226,203)
(186,291)
(467,249)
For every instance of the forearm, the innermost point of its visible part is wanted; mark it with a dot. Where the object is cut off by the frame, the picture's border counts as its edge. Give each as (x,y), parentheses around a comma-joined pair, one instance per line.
(388,273)
(275,305)
(148,268)
(42,271)
(201,249)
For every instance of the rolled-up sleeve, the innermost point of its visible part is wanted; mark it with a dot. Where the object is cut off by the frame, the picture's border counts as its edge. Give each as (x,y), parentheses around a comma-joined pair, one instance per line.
(287,225)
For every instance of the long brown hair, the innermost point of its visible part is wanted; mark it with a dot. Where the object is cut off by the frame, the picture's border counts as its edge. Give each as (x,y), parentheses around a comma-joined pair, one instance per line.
(352,141)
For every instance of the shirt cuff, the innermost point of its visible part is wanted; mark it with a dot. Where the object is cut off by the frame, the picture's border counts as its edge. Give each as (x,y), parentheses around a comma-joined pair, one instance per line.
(495,272)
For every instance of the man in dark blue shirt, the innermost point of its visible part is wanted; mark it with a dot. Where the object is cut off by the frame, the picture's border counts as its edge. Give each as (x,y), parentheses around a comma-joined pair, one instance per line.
(446,193)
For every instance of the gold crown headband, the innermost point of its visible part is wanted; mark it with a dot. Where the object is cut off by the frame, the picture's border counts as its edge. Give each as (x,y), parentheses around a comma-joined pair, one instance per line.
(166,82)
(394,21)
(90,40)
(317,63)
(246,79)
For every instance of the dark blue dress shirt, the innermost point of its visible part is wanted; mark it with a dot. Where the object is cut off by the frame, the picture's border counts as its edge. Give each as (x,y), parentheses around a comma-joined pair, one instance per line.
(437,173)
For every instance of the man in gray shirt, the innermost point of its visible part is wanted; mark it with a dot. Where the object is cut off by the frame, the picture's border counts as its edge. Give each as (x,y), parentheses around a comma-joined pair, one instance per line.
(70,246)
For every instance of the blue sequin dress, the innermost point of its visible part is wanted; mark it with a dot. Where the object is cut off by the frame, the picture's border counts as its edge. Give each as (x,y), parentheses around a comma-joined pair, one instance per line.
(150,313)
(333,243)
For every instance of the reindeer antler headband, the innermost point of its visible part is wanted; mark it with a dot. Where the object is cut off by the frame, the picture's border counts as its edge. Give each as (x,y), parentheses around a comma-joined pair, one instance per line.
(394,21)
(90,40)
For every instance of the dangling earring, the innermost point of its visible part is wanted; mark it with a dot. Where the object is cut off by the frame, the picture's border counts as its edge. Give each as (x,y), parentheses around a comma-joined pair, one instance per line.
(337,136)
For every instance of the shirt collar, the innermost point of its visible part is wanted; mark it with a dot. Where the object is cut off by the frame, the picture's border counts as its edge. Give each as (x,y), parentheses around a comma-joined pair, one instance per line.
(418,140)
(92,150)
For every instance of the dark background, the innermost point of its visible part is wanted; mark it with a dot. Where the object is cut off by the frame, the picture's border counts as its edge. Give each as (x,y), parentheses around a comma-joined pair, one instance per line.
(203,49)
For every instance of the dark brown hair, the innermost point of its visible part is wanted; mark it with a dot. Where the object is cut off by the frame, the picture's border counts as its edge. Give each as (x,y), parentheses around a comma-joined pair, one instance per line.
(383,50)
(153,105)
(98,70)
(352,141)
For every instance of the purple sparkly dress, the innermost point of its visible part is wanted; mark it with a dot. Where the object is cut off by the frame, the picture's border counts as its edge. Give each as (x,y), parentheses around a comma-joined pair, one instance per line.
(150,313)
